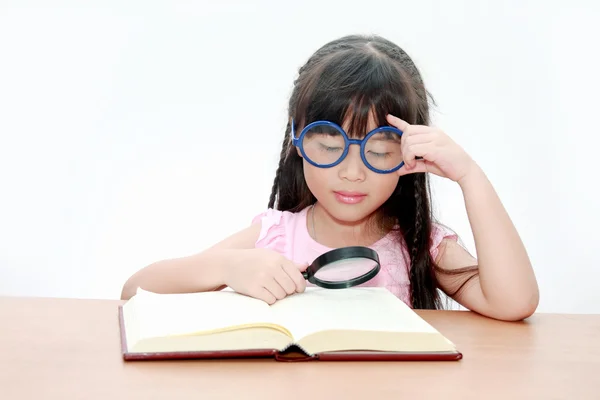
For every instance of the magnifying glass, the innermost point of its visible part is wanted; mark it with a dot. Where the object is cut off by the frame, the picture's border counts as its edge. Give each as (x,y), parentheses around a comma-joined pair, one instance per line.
(343,268)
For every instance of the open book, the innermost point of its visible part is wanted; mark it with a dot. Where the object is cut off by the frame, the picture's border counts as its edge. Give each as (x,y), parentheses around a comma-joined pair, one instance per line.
(361,323)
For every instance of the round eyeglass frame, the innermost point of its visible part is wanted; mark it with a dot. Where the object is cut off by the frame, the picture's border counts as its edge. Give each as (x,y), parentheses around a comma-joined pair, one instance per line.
(347,142)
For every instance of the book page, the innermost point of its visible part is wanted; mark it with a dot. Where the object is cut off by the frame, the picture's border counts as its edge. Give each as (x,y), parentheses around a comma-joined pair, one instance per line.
(161,315)
(360,308)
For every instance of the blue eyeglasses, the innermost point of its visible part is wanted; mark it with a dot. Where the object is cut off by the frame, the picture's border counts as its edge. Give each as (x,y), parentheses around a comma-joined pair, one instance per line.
(325,144)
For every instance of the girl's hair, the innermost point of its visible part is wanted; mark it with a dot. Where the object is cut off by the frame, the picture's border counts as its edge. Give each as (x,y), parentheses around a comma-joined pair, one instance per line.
(348,79)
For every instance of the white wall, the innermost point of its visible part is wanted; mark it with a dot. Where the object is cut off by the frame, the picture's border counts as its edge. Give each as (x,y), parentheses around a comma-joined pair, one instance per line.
(120,124)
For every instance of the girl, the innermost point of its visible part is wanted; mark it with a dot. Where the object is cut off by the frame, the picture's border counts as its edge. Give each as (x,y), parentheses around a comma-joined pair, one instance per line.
(332,191)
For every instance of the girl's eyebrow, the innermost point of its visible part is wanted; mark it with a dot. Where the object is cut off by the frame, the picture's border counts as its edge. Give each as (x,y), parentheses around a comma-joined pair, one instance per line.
(387,135)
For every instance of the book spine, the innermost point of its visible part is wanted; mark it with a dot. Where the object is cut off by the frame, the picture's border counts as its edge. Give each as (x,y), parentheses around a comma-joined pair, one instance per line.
(294,352)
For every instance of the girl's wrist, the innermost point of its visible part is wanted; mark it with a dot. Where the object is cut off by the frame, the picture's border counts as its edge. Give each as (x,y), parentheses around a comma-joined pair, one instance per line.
(473,179)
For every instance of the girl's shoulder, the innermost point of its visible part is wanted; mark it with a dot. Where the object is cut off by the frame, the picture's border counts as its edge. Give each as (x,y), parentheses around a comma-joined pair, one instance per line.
(280,229)
(273,220)
(439,233)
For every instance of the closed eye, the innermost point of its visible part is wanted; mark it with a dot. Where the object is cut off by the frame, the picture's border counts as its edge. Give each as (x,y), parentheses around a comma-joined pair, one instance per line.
(329,148)
(379,155)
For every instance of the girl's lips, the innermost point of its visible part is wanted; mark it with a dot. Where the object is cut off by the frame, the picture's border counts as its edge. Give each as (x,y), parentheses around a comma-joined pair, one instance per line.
(349,197)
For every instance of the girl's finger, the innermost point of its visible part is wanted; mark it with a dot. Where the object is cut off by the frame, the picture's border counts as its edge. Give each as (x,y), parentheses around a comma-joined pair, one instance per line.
(410,141)
(294,271)
(420,166)
(275,288)
(412,151)
(415,130)
(397,122)
(285,280)
(426,137)
(406,128)
(264,295)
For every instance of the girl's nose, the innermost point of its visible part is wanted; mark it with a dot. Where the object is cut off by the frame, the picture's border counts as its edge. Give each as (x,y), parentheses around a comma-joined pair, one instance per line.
(352,167)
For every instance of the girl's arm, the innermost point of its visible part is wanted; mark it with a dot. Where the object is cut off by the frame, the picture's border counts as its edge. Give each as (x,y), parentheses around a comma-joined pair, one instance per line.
(505,286)
(196,273)
(234,262)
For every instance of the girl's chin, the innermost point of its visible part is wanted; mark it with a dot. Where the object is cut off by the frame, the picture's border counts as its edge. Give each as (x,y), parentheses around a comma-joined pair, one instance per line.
(347,213)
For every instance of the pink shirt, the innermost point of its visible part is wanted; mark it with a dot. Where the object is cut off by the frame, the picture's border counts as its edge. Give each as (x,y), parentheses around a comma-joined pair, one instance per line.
(287,233)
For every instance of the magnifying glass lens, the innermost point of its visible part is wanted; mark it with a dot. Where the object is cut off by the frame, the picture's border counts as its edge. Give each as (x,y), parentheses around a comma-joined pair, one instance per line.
(345,270)
(344,267)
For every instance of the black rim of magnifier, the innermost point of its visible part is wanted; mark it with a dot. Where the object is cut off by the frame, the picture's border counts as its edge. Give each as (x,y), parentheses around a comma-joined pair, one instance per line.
(337,255)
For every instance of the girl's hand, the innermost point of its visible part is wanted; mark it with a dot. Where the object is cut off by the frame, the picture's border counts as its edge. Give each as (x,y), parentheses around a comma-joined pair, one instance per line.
(264,274)
(439,154)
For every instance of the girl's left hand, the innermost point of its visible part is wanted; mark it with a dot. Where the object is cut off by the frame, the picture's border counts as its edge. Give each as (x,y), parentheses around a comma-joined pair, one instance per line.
(439,154)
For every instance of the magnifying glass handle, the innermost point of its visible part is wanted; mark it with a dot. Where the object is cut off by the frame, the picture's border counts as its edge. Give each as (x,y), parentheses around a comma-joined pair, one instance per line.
(305,275)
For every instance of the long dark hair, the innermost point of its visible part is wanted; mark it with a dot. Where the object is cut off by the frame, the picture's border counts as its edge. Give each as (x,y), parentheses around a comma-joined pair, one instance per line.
(349,78)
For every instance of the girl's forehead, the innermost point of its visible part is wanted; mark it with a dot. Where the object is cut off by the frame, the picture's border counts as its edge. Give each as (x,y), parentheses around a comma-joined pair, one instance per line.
(356,130)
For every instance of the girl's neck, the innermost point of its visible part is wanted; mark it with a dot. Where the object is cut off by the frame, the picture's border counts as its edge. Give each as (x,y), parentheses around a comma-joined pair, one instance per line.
(331,232)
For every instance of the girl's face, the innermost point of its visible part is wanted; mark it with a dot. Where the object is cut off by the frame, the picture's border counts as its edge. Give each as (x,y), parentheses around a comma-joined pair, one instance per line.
(350,191)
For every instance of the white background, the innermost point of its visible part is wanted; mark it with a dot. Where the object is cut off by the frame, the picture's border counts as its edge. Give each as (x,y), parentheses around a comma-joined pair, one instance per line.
(133,132)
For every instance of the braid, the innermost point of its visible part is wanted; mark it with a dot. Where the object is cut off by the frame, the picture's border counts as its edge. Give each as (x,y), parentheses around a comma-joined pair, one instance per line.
(282,157)
(424,293)
(414,252)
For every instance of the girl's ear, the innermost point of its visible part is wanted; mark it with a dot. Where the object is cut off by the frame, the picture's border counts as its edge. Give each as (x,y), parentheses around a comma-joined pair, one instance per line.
(298,151)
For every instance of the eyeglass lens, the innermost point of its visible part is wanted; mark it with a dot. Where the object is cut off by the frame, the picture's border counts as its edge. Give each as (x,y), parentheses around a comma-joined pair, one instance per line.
(325,144)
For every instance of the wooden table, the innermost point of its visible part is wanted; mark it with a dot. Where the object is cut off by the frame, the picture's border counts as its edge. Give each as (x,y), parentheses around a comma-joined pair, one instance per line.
(70,349)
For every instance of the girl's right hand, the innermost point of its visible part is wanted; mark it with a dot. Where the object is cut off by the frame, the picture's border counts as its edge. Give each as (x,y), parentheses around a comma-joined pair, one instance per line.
(265,274)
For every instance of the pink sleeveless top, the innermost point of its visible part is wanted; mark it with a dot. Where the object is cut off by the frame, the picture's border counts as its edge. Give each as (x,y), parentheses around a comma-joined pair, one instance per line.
(287,233)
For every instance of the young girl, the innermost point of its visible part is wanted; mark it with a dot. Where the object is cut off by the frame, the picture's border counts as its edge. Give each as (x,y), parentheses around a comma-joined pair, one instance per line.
(332,191)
